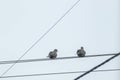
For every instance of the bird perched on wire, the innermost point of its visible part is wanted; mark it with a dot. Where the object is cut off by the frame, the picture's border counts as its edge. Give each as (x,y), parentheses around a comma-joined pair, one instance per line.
(81,52)
(53,54)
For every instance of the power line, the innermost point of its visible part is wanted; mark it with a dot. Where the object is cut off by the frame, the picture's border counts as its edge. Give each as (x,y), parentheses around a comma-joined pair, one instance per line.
(87,72)
(60,73)
(43,35)
(46,59)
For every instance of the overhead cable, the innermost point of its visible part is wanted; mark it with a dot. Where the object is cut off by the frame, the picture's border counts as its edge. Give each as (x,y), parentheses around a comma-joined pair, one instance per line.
(87,72)
(47,59)
(59,73)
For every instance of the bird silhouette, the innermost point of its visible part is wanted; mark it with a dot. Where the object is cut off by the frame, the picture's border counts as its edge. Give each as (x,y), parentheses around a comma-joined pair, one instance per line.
(53,54)
(81,52)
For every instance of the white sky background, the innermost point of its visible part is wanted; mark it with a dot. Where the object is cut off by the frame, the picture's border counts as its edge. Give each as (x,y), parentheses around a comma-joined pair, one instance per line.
(93,24)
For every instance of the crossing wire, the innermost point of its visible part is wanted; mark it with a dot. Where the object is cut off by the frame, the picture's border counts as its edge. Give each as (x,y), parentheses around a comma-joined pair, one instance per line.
(59,73)
(47,59)
(87,72)
(42,36)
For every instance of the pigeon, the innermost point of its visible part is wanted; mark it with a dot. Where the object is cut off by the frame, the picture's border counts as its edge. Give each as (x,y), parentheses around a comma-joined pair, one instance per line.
(53,54)
(81,52)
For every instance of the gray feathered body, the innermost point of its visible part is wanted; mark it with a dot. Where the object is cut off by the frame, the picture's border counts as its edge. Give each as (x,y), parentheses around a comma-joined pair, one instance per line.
(81,52)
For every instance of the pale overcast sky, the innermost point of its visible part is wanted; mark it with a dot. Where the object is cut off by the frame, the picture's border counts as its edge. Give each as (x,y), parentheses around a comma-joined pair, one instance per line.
(94,24)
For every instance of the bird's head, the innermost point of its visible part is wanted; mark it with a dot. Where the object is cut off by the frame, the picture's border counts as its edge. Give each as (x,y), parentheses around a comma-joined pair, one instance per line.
(82,47)
(55,50)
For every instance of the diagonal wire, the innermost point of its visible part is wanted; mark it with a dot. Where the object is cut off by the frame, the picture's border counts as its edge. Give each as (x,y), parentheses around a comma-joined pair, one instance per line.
(87,72)
(59,73)
(47,59)
(43,35)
